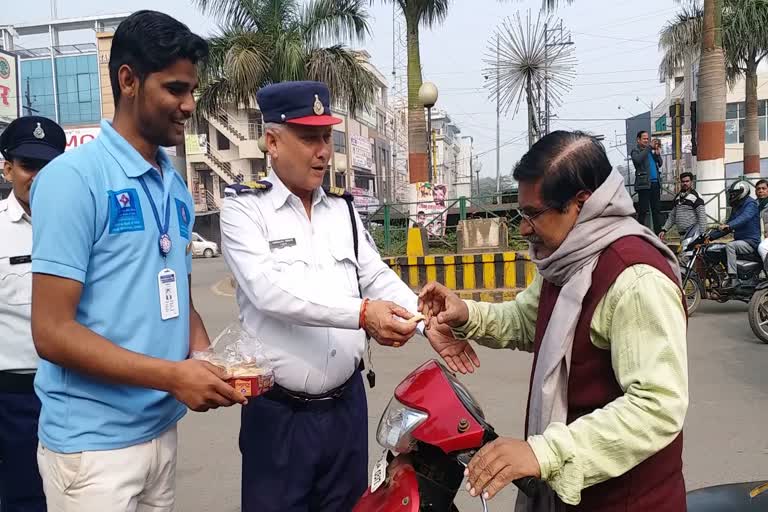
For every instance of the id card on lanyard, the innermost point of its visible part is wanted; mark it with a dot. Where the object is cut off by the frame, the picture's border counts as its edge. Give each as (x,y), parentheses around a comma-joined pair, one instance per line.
(166,278)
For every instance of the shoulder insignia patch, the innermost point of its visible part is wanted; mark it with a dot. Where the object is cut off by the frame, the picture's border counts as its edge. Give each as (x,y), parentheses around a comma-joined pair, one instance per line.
(337,192)
(250,187)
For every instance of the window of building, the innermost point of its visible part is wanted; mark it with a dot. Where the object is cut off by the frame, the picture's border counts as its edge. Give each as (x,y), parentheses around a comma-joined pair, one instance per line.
(255,125)
(222,142)
(37,88)
(340,142)
(77,84)
(736,114)
(340,180)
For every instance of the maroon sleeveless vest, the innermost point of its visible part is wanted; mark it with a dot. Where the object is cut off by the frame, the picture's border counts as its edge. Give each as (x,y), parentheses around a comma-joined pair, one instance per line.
(657,483)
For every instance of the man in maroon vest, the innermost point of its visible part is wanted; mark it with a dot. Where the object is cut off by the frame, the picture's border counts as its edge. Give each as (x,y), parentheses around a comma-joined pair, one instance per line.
(606,322)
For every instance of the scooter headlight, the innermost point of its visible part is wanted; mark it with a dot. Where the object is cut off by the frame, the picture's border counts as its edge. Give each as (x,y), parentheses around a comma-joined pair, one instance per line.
(396,426)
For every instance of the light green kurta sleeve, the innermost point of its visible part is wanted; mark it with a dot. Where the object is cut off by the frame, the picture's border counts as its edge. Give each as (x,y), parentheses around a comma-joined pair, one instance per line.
(642,322)
(507,325)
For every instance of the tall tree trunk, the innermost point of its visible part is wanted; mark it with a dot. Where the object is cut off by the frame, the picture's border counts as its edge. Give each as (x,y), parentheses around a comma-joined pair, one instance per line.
(688,87)
(710,112)
(417,129)
(751,133)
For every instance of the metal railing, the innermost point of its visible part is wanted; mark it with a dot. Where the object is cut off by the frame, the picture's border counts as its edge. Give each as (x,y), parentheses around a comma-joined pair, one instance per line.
(242,131)
(389,223)
(214,158)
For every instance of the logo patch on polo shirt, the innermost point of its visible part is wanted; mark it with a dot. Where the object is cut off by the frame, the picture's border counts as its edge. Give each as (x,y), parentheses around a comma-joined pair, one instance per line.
(184,218)
(125,211)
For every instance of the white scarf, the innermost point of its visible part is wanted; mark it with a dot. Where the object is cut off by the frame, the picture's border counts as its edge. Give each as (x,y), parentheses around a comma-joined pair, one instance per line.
(606,216)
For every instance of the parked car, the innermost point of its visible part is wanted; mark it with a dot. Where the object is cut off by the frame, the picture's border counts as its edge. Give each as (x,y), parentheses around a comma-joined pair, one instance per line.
(203,247)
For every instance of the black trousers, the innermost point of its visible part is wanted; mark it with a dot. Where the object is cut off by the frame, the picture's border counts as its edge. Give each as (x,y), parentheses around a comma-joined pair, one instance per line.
(305,458)
(21,489)
(650,200)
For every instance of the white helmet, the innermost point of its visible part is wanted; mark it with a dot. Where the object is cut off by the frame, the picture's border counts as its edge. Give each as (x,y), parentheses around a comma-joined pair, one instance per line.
(737,192)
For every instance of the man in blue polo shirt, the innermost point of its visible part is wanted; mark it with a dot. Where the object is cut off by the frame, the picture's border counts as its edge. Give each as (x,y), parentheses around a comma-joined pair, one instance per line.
(112,315)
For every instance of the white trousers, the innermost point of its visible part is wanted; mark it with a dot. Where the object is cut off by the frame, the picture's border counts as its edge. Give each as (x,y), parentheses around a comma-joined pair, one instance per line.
(762,250)
(140,478)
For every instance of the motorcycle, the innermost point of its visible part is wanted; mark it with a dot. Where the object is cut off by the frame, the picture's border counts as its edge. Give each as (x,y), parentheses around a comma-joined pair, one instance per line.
(738,497)
(704,271)
(435,426)
(758,312)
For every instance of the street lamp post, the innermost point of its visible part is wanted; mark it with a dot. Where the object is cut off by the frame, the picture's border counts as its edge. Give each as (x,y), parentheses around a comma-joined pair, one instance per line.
(262,143)
(428,98)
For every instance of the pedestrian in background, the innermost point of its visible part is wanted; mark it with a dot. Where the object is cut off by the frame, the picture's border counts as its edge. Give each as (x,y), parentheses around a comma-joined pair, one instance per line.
(688,210)
(647,160)
(761,190)
(112,315)
(28,144)
(311,284)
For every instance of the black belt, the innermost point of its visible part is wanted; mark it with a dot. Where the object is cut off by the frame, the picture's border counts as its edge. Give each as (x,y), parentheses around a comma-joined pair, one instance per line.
(281,394)
(17,382)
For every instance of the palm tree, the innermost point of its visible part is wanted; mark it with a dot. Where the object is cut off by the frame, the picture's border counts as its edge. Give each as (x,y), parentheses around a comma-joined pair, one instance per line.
(746,45)
(680,40)
(418,13)
(266,41)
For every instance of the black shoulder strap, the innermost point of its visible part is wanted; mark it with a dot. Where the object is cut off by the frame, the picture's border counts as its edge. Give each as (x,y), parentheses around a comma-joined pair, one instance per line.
(354,224)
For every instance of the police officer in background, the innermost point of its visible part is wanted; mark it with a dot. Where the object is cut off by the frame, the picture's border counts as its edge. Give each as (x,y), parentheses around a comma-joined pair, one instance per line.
(310,285)
(27,144)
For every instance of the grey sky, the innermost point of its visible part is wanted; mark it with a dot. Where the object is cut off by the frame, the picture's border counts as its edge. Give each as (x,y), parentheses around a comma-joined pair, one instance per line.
(611,38)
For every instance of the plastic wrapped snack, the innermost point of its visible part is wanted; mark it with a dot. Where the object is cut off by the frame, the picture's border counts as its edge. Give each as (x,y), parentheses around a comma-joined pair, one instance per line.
(242,357)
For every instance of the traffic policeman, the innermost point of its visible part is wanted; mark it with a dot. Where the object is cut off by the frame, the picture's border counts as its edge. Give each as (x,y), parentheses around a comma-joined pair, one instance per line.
(27,145)
(310,285)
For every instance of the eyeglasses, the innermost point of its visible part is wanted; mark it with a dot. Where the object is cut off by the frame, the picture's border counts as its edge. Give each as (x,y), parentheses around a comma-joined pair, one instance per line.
(530,218)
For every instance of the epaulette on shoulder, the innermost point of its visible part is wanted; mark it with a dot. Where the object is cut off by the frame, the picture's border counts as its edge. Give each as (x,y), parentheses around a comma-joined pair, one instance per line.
(338,192)
(250,187)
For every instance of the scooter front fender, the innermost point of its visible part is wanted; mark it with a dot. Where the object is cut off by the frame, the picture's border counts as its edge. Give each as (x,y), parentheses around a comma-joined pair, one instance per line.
(400,493)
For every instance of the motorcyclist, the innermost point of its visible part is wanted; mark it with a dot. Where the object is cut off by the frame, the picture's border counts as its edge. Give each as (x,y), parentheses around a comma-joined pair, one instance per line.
(744,222)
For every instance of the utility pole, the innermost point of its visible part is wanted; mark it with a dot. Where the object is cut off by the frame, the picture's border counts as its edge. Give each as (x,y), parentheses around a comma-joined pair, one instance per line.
(546,79)
(498,124)
(558,43)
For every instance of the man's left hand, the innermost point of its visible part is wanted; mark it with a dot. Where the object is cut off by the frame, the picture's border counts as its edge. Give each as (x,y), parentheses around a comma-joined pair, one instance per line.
(723,227)
(457,354)
(498,464)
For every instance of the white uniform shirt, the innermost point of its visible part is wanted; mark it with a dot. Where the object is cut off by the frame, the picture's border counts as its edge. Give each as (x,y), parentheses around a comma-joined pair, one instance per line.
(17,351)
(297,286)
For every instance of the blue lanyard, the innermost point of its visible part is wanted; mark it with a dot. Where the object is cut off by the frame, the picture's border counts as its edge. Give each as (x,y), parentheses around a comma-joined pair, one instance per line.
(163,228)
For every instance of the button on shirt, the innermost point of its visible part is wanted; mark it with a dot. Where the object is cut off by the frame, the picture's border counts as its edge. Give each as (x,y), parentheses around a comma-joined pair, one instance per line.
(297,283)
(94,224)
(17,351)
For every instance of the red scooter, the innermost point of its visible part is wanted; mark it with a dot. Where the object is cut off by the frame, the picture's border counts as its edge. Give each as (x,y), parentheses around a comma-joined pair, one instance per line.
(435,426)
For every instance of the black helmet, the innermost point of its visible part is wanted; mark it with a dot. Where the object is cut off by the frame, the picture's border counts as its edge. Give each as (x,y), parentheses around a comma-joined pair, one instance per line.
(737,192)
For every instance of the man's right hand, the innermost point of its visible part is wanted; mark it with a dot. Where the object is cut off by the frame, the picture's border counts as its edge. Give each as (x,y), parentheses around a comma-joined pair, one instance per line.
(435,300)
(200,386)
(382,324)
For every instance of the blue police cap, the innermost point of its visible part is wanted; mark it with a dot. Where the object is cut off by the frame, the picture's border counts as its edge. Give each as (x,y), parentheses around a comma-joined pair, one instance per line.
(305,103)
(33,137)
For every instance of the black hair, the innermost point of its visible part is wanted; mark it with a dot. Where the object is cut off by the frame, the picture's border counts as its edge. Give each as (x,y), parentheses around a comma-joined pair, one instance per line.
(641,132)
(761,182)
(150,41)
(565,163)
(686,175)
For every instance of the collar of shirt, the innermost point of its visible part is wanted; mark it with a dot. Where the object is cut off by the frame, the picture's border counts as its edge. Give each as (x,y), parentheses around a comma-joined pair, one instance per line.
(280,193)
(129,159)
(15,211)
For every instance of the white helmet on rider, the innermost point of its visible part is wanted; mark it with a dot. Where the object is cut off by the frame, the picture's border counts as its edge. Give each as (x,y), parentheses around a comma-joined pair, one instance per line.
(737,192)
